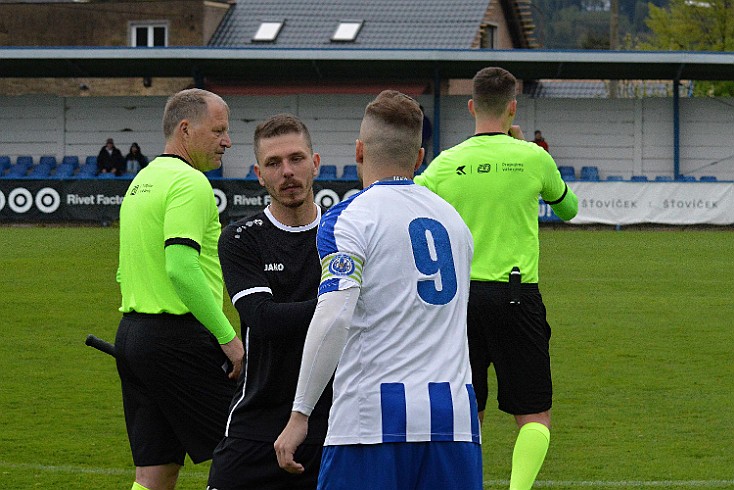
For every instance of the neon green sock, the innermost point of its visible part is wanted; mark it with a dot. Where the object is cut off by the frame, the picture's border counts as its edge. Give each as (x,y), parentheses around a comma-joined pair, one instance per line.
(138,486)
(530,449)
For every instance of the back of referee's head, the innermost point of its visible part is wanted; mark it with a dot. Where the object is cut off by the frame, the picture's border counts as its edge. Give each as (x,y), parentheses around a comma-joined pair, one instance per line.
(493,89)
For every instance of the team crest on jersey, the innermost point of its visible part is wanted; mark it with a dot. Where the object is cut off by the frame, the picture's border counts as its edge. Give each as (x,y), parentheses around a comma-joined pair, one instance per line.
(341,265)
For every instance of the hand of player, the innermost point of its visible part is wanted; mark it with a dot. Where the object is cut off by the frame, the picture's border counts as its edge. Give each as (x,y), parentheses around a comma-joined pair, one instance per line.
(236,353)
(289,440)
(516,132)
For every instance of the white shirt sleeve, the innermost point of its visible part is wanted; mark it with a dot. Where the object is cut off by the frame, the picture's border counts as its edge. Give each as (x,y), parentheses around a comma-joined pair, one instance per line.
(325,341)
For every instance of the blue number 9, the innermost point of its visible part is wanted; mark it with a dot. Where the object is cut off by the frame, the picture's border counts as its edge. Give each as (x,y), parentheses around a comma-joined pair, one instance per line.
(432,260)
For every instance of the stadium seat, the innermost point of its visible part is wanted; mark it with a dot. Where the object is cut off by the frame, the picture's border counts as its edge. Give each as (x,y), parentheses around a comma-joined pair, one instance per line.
(686,178)
(251,173)
(663,178)
(615,177)
(49,160)
(65,171)
(17,171)
(568,173)
(349,173)
(590,173)
(4,163)
(88,169)
(217,173)
(91,160)
(41,171)
(25,160)
(708,178)
(72,160)
(639,178)
(328,172)
(107,175)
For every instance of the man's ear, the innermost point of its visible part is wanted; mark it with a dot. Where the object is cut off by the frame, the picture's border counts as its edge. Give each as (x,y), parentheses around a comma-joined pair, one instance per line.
(359,151)
(419,161)
(256,169)
(512,108)
(470,105)
(316,163)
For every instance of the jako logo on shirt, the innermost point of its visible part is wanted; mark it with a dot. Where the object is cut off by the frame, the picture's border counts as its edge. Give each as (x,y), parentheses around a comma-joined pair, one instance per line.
(274,267)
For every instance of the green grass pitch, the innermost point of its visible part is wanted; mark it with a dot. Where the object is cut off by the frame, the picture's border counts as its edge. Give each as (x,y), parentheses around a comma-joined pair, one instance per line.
(643,335)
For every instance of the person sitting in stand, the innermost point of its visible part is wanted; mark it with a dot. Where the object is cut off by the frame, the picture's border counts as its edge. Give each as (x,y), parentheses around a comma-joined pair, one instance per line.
(110,160)
(135,159)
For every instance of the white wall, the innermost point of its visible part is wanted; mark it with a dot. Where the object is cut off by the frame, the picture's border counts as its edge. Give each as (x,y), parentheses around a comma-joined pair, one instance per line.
(621,136)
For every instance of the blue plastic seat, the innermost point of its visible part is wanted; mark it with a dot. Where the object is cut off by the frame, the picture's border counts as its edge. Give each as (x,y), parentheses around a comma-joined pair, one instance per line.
(17,171)
(328,172)
(349,172)
(106,175)
(72,160)
(568,173)
(639,178)
(708,178)
(22,165)
(91,160)
(25,160)
(590,173)
(41,171)
(4,163)
(251,173)
(615,177)
(686,178)
(65,171)
(88,169)
(49,160)
(217,173)
(663,178)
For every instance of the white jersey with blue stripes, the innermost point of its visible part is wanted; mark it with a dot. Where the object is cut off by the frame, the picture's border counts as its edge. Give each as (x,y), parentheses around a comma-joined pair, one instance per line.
(404,374)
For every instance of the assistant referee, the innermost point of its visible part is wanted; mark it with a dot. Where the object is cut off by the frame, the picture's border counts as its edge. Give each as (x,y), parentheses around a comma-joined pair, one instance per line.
(177,354)
(493,179)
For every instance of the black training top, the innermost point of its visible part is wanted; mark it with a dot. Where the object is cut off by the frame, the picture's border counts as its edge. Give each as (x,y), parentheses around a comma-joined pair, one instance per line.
(272,272)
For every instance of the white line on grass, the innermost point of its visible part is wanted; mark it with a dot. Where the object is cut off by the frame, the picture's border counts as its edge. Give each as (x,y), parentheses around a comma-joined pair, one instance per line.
(487,483)
(620,484)
(84,469)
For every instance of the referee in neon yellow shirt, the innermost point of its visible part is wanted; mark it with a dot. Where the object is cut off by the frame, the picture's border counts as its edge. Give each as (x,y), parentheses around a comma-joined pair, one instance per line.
(493,179)
(177,354)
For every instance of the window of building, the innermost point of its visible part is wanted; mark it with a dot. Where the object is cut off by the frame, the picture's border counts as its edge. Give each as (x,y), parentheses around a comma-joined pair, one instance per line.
(268,31)
(347,31)
(148,34)
(487,37)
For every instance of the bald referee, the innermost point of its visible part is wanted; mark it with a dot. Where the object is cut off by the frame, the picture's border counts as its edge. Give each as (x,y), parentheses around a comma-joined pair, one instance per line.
(177,354)
(493,179)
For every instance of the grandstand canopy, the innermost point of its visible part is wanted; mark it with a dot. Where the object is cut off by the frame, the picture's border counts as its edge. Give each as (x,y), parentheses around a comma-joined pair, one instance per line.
(314,65)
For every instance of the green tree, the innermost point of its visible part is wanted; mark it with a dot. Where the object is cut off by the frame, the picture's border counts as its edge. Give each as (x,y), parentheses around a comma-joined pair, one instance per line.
(694,25)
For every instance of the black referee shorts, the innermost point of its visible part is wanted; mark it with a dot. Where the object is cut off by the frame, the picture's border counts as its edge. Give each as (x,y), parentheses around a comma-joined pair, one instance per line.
(175,389)
(242,464)
(514,338)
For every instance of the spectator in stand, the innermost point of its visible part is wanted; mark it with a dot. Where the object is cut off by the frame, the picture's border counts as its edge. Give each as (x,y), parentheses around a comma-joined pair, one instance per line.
(539,140)
(135,159)
(110,160)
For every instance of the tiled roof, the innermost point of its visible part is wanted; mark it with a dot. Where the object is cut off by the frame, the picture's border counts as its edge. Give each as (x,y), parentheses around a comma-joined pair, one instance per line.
(426,24)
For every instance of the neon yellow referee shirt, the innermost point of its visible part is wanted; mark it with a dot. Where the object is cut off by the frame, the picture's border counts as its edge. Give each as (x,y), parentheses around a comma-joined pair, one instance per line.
(494,180)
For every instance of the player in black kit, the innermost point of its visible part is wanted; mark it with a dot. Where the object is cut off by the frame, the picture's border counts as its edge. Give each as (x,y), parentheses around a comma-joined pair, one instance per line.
(272,272)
